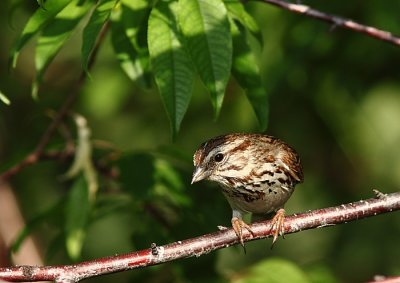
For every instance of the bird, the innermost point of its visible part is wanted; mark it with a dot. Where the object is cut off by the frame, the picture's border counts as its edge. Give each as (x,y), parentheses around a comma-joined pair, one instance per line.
(256,172)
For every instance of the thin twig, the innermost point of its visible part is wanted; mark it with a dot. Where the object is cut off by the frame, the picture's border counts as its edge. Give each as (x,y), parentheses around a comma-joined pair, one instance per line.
(336,21)
(37,153)
(202,245)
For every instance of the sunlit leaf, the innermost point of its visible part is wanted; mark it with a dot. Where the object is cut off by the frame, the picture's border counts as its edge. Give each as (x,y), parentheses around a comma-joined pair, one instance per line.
(237,11)
(77,211)
(134,13)
(36,22)
(4,99)
(134,16)
(246,72)
(171,64)
(54,36)
(93,28)
(126,53)
(205,26)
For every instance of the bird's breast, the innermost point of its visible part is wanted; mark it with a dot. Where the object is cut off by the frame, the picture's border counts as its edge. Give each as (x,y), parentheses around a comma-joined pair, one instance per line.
(260,199)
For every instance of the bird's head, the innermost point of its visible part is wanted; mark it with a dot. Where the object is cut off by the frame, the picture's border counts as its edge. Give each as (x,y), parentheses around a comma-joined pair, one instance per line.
(221,158)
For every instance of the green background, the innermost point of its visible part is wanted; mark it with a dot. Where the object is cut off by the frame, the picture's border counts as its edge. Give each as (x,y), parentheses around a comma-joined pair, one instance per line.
(334,96)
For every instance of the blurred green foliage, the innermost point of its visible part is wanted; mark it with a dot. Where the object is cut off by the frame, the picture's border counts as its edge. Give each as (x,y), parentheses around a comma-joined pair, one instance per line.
(333,94)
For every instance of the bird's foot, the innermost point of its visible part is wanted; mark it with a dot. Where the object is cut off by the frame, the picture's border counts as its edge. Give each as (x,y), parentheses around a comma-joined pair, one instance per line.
(277,225)
(238,225)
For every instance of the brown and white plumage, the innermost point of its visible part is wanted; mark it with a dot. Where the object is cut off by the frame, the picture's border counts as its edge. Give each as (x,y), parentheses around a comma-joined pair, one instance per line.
(257,173)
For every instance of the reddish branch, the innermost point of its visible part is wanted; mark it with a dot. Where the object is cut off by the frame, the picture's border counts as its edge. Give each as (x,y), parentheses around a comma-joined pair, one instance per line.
(383,279)
(38,152)
(203,244)
(337,21)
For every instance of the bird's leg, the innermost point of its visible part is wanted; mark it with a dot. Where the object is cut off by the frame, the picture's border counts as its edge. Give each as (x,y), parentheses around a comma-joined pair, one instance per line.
(277,224)
(238,225)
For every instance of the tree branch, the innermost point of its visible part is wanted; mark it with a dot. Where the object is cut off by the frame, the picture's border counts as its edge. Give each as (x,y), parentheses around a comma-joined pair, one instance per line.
(204,244)
(384,279)
(37,153)
(336,21)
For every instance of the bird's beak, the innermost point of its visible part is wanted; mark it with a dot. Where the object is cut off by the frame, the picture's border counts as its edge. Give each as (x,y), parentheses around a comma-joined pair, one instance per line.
(199,174)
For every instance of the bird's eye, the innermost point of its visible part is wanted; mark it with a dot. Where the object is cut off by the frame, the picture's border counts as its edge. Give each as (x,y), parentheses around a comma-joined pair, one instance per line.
(218,157)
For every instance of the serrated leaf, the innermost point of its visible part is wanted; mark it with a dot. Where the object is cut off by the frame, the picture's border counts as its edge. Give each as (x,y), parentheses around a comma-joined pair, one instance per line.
(36,22)
(54,36)
(274,271)
(77,211)
(126,53)
(171,64)
(206,29)
(92,30)
(237,12)
(246,72)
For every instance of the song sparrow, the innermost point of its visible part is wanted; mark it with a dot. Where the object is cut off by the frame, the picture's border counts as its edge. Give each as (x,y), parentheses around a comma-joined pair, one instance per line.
(257,174)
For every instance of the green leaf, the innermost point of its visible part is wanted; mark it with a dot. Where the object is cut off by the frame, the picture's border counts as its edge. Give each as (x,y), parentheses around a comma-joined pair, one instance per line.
(93,28)
(246,72)
(321,273)
(274,271)
(149,178)
(206,29)
(77,212)
(54,37)
(134,13)
(126,53)
(237,12)
(39,19)
(169,184)
(171,64)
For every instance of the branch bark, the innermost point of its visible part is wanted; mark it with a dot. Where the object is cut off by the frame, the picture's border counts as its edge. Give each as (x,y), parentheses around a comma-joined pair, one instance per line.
(336,21)
(204,244)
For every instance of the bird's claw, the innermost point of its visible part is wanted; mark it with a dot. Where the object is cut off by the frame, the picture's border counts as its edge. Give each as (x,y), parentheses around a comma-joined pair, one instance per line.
(277,225)
(238,225)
